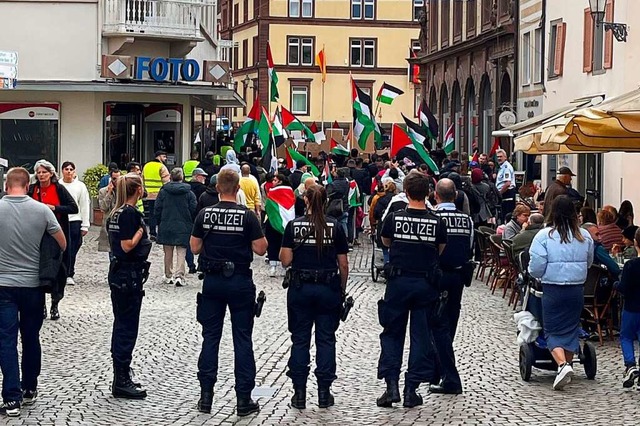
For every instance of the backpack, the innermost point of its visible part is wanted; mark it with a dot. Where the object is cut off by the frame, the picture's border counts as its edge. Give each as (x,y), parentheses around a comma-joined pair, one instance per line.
(474,197)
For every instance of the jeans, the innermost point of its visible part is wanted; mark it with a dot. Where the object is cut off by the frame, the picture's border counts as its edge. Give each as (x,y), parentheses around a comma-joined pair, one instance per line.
(239,293)
(126,320)
(351,224)
(190,258)
(20,309)
(385,254)
(149,208)
(310,305)
(629,333)
(342,221)
(75,242)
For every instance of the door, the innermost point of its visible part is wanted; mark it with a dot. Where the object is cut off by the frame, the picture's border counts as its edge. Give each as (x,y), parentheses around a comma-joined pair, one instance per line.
(123,133)
(589,176)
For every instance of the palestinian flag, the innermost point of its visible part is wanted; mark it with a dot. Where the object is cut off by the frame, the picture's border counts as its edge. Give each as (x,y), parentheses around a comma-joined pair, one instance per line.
(388,93)
(418,138)
(279,134)
(354,194)
(428,120)
(280,207)
(338,149)
(364,122)
(296,156)
(248,127)
(326,172)
(273,77)
(449,140)
(291,122)
(495,147)
(287,157)
(264,131)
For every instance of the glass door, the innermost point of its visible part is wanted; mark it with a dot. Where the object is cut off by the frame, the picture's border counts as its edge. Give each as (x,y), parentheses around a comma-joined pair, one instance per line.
(123,133)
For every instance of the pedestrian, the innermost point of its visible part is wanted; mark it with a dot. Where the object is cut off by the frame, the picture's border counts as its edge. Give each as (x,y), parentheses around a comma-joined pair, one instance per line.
(557,188)
(415,238)
(104,180)
(232,162)
(79,222)
(24,222)
(198,187)
(251,188)
(316,248)
(106,202)
(274,237)
(506,184)
(190,165)
(629,288)
(50,192)
(625,214)
(208,164)
(483,191)
(560,257)
(175,210)
(226,253)
(338,189)
(519,218)
(154,174)
(296,175)
(128,272)
(210,197)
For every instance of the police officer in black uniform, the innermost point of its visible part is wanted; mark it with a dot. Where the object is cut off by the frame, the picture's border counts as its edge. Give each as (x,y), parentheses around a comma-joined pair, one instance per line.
(457,271)
(415,238)
(226,235)
(128,272)
(316,248)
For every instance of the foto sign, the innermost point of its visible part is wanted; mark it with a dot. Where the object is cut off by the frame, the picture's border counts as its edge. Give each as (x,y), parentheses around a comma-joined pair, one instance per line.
(166,69)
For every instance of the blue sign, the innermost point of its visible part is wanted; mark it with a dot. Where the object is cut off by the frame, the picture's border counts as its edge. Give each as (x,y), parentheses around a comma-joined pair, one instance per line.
(166,69)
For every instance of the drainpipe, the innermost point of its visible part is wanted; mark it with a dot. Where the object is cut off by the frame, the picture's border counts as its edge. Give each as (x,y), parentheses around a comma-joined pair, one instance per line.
(99,9)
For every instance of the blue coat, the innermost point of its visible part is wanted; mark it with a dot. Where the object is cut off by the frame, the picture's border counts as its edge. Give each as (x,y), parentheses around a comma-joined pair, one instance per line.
(175,209)
(560,263)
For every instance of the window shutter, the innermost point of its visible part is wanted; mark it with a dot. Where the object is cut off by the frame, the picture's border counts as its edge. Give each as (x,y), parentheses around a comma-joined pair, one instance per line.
(587,42)
(558,60)
(608,36)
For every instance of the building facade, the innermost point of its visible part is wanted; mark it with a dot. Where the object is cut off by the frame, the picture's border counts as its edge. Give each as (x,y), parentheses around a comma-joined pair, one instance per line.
(583,61)
(468,67)
(367,39)
(107,80)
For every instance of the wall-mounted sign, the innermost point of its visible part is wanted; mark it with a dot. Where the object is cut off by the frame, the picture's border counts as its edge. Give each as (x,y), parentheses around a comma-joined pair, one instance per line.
(507,118)
(15,111)
(8,69)
(166,69)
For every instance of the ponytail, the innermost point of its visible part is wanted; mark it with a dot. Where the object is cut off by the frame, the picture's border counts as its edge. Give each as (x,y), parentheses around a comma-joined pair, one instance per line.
(316,197)
(126,187)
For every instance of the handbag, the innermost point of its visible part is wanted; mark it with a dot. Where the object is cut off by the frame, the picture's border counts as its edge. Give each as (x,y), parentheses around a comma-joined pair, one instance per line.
(335,208)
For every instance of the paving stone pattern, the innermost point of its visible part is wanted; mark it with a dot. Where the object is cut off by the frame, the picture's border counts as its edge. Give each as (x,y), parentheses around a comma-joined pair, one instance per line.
(76,374)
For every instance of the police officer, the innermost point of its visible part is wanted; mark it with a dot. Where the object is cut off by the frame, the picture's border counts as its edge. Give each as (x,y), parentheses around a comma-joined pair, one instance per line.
(415,238)
(316,248)
(506,184)
(128,272)
(226,235)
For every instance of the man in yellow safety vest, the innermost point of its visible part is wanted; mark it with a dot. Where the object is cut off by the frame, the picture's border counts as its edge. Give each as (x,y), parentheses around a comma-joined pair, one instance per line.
(155,174)
(190,165)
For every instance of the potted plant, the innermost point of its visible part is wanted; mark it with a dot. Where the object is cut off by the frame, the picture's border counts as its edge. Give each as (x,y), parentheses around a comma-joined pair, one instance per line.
(91,179)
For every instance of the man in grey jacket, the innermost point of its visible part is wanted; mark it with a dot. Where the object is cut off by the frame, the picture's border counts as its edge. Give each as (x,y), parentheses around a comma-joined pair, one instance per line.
(24,222)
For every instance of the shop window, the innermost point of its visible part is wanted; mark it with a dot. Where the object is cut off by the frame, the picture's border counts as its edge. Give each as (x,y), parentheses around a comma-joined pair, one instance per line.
(28,133)
(300,50)
(300,97)
(363,52)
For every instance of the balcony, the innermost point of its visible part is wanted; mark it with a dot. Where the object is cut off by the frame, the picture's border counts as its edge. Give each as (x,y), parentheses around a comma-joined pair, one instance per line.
(165,19)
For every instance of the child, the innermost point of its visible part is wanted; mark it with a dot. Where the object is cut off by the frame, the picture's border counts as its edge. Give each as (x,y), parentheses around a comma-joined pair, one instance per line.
(629,288)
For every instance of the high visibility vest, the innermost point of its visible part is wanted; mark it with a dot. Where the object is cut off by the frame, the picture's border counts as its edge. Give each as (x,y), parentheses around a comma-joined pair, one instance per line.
(151,176)
(140,206)
(188,169)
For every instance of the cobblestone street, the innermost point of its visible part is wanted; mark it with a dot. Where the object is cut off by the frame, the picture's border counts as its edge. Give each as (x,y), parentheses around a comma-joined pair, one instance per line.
(74,385)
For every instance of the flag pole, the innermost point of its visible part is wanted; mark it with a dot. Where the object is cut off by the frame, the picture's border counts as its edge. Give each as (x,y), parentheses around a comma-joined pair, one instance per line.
(375,114)
(322,75)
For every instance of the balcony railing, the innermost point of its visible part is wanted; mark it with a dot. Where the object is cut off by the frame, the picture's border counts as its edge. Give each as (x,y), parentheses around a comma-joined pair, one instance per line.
(169,18)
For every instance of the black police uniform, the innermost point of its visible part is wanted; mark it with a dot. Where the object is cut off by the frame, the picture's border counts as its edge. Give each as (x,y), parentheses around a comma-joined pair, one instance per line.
(127,274)
(227,230)
(454,260)
(314,297)
(412,289)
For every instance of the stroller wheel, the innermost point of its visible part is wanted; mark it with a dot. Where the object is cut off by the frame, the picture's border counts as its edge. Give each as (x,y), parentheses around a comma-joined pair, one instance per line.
(589,360)
(526,361)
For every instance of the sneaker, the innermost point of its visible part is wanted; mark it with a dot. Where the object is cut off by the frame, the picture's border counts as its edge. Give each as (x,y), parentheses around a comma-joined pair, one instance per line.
(71,281)
(565,372)
(29,397)
(630,375)
(167,280)
(179,282)
(272,271)
(11,408)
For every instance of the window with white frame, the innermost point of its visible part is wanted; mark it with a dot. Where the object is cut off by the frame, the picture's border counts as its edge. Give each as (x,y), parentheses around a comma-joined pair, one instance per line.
(418,5)
(363,9)
(300,99)
(356,9)
(526,59)
(369,9)
(307,8)
(363,52)
(300,50)
(294,8)
(537,55)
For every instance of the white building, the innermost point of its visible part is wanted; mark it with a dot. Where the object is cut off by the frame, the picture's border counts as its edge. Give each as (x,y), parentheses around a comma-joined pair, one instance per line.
(584,61)
(108,80)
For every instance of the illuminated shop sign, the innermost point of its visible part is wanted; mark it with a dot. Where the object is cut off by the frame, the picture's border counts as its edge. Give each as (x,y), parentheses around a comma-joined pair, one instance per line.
(166,69)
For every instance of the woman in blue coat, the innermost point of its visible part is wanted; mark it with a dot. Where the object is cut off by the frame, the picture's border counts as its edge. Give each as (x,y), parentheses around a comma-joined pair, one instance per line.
(560,257)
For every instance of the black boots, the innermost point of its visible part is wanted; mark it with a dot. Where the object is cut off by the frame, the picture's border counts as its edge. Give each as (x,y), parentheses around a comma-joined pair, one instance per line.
(325,399)
(55,315)
(299,398)
(411,398)
(391,395)
(123,386)
(206,401)
(246,406)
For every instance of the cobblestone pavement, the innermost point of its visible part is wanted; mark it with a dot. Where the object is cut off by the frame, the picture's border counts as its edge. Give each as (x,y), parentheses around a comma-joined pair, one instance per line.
(74,385)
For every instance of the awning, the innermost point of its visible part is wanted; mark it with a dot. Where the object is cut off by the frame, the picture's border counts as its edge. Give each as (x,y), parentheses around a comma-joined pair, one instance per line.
(201,95)
(532,123)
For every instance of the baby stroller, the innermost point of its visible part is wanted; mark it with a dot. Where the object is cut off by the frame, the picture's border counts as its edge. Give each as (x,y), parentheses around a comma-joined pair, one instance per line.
(536,353)
(377,258)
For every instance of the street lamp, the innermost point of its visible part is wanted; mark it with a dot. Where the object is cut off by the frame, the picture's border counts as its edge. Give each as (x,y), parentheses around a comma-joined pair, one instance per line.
(597,9)
(246,81)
